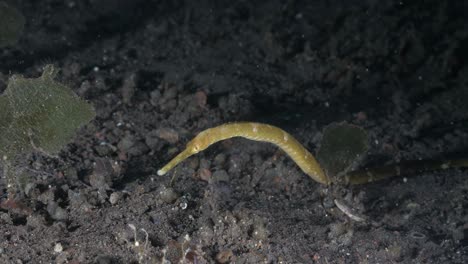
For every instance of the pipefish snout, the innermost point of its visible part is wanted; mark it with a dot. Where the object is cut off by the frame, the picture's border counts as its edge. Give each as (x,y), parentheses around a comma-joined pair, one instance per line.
(258,132)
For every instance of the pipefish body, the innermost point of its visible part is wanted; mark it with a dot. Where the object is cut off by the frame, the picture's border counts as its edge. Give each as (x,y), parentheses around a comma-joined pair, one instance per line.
(258,132)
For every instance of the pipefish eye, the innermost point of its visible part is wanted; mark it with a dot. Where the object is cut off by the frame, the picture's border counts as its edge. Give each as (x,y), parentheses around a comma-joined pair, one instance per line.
(196,148)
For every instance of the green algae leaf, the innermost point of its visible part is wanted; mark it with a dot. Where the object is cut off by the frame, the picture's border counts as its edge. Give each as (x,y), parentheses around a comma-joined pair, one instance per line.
(341,147)
(44,114)
(5,114)
(11,25)
(6,120)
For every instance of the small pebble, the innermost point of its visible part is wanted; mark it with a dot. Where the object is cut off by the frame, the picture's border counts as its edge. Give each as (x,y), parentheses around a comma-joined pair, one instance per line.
(204,164)
(168,134)
(347,238)
(170,93)
(395,252)
(194,162)
(56,212)
(328,202)
(204,174)
(220,159)
(155,96)
(128,88)
(225,256)
(168,195)
(35,221)
(115,197)
(259,231)
(201,98)
(458,234)
(58,248)
(103,259)
(101,178)
(220,176)
(336,230)
(126,143)
(28,188)
(151,139)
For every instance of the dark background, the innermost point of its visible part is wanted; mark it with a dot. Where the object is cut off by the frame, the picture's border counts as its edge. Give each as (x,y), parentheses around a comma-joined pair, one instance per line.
(159,72)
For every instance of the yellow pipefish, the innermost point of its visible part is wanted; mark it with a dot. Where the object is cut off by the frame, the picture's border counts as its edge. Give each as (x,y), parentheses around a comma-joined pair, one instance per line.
(253,131)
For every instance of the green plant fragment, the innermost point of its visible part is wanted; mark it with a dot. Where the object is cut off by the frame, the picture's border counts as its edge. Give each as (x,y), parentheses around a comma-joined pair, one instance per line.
(342,146)
(8,137)
(44,114)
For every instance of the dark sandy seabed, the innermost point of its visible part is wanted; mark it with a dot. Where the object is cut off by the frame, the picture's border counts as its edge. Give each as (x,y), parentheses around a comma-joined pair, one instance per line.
(159,72)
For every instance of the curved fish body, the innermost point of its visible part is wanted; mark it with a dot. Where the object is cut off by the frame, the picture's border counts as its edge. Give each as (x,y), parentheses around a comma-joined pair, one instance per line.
(258,132)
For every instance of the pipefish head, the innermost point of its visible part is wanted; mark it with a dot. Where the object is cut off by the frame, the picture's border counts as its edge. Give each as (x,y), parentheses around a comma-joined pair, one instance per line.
(199,143)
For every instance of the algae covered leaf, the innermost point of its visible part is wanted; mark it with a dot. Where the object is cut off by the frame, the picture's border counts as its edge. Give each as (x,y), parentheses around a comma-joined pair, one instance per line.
(341,147)
(42,114)
(7,138)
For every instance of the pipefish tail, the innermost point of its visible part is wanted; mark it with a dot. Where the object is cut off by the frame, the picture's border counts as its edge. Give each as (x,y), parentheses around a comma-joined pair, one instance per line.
(258,132)
(409,167)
